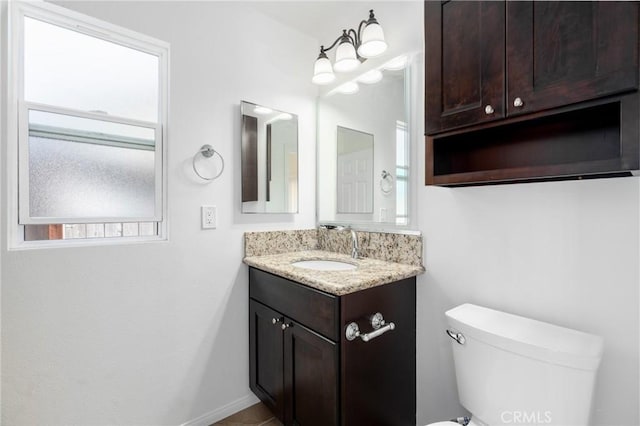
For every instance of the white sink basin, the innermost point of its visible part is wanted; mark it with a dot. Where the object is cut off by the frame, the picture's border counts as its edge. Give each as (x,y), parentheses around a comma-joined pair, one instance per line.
(324,265)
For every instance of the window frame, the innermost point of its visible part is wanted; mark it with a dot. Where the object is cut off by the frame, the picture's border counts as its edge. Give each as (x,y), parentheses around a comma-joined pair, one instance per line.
(17,121)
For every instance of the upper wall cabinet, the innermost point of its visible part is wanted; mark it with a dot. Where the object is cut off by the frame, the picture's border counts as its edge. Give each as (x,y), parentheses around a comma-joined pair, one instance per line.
(464,42)
(530,90)
(563,52)
(546,54)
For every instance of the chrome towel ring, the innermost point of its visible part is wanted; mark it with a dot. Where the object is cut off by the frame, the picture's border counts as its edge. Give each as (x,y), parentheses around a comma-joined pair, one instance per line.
(386,183)
(207,151)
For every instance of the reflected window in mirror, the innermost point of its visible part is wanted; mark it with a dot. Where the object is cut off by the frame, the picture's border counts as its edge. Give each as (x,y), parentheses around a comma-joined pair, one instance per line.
(269,160)
(377,112)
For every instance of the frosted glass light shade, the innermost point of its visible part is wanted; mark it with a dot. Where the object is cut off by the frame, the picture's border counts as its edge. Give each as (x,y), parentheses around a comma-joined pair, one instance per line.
(370,77)
(346,59)
(372,43)
(323,72)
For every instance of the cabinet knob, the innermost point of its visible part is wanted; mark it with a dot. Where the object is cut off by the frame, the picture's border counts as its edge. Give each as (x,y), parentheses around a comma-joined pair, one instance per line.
(285,325)
(517,102)
(275,320)
(488,110)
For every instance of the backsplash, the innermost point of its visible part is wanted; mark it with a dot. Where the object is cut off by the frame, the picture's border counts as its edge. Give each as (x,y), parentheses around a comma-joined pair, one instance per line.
(398,248)
(276,242)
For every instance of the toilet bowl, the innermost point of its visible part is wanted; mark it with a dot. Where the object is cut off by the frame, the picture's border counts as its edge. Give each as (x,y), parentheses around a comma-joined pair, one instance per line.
(515,370)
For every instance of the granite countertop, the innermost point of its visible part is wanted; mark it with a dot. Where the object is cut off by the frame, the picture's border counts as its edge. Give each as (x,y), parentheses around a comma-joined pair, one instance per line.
(369,272)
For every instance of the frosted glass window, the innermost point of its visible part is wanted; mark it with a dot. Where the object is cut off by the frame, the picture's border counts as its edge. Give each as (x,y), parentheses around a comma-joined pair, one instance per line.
(91,126)
(83,180)
(90,73)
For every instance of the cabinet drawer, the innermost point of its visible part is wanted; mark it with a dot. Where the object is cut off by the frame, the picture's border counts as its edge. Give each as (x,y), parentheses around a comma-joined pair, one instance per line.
(314,309)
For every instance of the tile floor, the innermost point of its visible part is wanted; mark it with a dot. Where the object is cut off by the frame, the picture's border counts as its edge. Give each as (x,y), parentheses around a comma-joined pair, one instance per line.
(256,415)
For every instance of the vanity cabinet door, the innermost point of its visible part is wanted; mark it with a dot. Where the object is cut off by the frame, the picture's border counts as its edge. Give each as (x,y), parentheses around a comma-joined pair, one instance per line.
(310,377)
(266,356)
(560,53)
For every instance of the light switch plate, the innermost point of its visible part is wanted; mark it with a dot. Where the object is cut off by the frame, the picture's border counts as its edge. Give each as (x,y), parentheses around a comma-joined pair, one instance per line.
(209,217)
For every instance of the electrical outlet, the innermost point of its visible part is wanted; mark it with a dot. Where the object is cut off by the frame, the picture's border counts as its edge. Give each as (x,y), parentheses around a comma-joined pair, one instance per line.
(383,214)
(209,217)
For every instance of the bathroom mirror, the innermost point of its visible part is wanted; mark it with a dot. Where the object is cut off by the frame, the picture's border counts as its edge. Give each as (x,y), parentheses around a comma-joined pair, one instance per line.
(354,171)
(363,150)
(269,160)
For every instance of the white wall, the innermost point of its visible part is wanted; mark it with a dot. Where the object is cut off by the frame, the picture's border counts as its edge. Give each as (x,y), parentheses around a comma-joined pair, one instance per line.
(157,334)
(562,252)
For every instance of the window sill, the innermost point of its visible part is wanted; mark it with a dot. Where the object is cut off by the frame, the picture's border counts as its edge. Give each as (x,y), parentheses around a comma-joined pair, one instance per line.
(86,242)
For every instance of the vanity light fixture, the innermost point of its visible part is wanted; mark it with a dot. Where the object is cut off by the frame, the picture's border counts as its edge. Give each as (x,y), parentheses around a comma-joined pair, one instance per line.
(353,48)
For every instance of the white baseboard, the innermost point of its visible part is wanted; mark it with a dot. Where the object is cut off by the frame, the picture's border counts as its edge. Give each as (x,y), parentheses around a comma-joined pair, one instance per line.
(224,411)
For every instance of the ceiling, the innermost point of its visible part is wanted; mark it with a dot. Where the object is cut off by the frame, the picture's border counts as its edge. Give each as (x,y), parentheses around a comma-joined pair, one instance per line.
(401,20)
(323,21)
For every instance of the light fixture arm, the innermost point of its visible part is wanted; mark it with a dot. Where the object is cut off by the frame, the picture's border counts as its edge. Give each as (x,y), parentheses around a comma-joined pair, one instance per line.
(351,34)
(340,37)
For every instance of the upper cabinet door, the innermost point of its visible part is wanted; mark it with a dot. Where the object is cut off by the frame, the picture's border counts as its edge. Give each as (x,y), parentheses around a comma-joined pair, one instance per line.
(559,53)
(464,70)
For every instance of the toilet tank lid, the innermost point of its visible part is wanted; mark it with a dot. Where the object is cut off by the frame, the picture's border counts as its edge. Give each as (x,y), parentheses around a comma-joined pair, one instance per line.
(528,337)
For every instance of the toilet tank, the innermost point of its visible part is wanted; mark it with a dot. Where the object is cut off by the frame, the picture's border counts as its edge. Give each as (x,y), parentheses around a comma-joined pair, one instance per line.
(513,370)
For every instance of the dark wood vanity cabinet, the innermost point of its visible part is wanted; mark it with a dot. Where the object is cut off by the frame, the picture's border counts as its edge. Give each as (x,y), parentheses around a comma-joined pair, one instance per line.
(492,63)
(297,359)
(308,373)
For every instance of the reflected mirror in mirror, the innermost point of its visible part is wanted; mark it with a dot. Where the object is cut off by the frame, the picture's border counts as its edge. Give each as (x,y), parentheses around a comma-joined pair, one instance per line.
(355,171)
(377,112)
(269,160)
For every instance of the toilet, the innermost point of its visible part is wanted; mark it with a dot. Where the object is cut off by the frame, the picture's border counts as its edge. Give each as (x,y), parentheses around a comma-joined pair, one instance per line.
(513,370)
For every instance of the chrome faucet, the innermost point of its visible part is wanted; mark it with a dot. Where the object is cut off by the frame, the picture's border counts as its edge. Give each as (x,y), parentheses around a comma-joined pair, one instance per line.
(355,249)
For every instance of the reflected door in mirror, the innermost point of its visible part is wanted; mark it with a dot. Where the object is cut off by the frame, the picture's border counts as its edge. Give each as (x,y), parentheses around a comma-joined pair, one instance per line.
(355,171)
